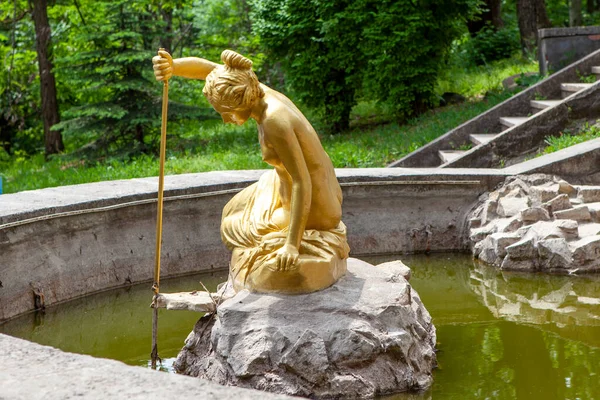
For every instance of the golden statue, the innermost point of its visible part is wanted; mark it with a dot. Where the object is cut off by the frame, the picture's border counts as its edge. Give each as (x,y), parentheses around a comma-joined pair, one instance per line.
(285,230)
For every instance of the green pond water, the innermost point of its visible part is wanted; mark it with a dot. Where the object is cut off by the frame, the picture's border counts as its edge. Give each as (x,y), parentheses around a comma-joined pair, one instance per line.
(500,335)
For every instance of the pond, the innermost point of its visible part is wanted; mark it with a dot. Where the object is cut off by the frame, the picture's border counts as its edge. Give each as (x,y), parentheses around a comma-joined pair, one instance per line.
(500,335)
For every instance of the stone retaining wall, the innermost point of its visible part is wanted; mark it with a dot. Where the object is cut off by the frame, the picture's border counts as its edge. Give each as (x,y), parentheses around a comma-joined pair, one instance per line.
(559,47)
(62,243)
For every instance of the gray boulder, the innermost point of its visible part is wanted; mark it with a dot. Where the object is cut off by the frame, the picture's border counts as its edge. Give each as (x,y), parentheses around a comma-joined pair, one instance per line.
(367,335)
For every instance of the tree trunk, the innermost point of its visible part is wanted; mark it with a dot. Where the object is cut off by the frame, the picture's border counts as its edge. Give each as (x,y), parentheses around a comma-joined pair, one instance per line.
(591,6)
(166,41)
(52,139)
(492,13)
(575,16)
(532,16)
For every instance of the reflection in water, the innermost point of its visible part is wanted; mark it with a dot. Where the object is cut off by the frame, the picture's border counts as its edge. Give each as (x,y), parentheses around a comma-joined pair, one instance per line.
(500,336)
(564,302)
(509,336)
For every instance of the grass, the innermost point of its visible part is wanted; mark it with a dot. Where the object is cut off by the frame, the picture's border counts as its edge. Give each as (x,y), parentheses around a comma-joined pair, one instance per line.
(476,80)
(374,140)
(556,143)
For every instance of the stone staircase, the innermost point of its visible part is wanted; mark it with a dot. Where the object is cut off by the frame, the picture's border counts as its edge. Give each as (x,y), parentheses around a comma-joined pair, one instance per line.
(517,126)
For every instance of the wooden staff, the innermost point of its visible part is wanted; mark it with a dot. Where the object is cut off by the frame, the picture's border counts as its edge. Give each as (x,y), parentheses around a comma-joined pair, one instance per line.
(159,213)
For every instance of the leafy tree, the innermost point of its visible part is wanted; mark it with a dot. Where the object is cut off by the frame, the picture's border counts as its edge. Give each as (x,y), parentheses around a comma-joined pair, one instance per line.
(20,128)
(333,51)
(490,14)
(119,103)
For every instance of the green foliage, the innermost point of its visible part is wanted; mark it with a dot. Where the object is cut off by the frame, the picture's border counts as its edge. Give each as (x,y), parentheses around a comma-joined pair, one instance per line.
(118,108)
(583,78)
(490,45)
(529,80)
(476,80)
(566,139)
(118,103)
(207,147)
(20,126)
(386,50)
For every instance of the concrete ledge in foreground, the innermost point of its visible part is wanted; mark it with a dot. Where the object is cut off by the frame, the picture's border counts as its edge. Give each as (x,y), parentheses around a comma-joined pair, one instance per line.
(31,371)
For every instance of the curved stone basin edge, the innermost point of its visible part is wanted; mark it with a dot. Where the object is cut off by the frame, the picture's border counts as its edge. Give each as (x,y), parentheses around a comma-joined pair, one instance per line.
(62,243)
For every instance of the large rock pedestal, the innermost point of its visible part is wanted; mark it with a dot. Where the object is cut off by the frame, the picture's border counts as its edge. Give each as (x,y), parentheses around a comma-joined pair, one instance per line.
(369,334)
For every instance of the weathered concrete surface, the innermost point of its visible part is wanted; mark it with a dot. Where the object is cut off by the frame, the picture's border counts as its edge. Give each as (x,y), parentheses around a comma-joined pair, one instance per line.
(367,335)
(34,372)
(74,198)
(488,122)
(578,164)
(544,231)
(522,139)
(68,242)
(559,47)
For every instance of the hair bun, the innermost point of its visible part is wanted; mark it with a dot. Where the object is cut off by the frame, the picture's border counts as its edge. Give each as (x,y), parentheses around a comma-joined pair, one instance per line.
(235,60)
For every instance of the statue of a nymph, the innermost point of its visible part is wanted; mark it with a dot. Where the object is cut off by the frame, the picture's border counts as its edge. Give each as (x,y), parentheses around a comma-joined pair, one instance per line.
(285,231)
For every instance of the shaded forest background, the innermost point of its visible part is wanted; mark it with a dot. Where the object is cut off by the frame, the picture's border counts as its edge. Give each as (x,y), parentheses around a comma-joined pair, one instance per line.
(76,77)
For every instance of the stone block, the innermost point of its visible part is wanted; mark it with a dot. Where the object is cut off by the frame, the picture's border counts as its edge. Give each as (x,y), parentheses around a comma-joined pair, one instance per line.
(474,223)
(479,234)
(589,194)
(579,213)
(511,224)
(518,183)
(586,249)
(558,203)
(565,187)
(396,268)
(477,248)
(568,227)
(488,212)
(487,252)
(534,214)
(522,250)
(515,192)
(500,241)
(511,206)
(554,254)
(542,194)
(594,211)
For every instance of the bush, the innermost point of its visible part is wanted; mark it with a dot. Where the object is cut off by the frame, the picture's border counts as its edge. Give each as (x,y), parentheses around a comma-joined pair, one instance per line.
(334,51)
(490,45)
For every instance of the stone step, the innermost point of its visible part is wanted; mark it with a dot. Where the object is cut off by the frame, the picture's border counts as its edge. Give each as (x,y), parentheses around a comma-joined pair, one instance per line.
(512,121)
(596,70)
(570,88)
(449,155)
(543,104)
(480,138)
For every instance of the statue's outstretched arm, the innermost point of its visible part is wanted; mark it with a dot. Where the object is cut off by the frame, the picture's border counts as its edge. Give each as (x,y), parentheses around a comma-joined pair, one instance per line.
(187,67)
(282,137)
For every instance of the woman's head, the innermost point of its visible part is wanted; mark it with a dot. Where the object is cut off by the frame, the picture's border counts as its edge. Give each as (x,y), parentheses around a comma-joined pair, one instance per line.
(233,86)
